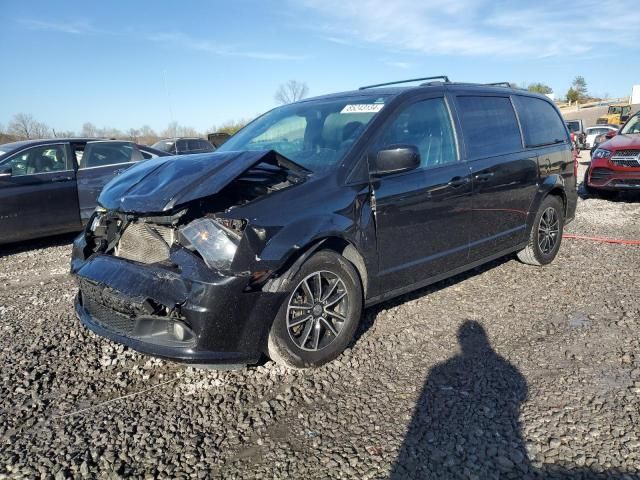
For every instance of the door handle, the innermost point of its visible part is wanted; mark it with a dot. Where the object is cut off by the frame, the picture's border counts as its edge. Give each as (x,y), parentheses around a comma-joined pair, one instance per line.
(61,179)
(456,182)
(483,177)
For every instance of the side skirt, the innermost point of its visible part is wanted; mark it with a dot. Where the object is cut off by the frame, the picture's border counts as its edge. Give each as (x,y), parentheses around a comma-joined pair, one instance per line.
(428,281)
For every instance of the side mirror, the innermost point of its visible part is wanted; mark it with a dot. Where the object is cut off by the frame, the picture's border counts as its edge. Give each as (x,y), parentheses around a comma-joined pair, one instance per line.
(6,171)
(611,134)
(394,159)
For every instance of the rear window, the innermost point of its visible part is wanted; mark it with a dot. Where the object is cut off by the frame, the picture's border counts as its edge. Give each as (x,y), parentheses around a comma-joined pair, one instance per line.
(541,124)
(164,145)
(489,126)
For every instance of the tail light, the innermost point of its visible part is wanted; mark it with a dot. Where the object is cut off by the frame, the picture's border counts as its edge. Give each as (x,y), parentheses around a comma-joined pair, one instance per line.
(574,152)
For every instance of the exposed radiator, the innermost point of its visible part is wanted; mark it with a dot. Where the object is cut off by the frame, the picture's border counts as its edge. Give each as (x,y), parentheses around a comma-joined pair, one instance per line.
(145,243)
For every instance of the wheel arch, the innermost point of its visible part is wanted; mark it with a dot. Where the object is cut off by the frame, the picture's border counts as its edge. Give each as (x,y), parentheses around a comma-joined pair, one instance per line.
(337,244)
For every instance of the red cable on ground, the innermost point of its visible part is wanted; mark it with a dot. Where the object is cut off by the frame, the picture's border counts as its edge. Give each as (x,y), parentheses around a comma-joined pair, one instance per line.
(602,239)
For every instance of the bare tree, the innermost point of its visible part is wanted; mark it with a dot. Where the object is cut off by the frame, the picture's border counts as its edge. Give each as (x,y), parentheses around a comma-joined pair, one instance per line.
(24,125)
(290,92)
(133,133)
(64,133)
(147,135)
(171,131)
(188,132)
(89,130)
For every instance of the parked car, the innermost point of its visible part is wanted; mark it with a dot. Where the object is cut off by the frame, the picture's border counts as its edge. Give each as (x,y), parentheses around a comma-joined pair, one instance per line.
(277,241)
(578,137)
(184,146)
(615,164)
(600,139)
(51,186)
(591,133)
(218,138)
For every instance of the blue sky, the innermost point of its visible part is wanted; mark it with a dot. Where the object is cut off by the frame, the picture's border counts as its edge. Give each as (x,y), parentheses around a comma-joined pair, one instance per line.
(108,62)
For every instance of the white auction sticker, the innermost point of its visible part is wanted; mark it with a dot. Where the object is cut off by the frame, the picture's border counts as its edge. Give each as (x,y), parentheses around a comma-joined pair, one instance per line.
(362,108)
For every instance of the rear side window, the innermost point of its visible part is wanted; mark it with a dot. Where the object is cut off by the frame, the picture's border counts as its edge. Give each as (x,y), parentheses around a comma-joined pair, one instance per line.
(540,122)
(489,126)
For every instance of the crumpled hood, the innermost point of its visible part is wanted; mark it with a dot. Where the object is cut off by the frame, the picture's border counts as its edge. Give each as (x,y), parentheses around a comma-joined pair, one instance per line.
(163,183)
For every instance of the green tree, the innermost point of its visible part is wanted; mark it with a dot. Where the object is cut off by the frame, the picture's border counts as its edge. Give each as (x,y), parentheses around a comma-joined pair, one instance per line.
(230,127)
(540,88)
(573,95)
(580,85)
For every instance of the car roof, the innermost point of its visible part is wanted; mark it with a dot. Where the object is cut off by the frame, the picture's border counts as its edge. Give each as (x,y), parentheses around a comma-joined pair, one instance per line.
(603,126)
(44,141)
(394,91)
(174,139)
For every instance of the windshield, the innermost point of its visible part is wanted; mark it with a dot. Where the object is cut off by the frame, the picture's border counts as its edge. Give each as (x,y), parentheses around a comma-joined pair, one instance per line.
(315,134)
(632,126)
(573,126)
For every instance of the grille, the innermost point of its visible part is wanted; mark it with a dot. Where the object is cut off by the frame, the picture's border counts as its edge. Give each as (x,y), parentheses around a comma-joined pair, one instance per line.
(625,162)
(106,317)
(626,153)
(145,243)
(599,174)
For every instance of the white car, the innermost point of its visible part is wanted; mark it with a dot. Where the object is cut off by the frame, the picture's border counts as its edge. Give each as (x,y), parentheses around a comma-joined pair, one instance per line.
(592,132)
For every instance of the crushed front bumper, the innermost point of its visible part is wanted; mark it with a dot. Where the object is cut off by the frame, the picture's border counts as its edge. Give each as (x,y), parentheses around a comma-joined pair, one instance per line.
(184,311)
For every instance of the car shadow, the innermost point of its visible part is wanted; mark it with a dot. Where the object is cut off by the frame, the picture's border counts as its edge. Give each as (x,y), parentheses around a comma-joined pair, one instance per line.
(46,242)
(466,421)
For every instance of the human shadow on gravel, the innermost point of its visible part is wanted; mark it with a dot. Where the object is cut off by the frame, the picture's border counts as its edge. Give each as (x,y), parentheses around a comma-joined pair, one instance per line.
(466,421)
(465,424)
(36,244)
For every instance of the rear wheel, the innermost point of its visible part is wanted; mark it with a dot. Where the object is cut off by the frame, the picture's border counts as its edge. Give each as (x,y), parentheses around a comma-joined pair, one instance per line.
(320,315)
(546,234)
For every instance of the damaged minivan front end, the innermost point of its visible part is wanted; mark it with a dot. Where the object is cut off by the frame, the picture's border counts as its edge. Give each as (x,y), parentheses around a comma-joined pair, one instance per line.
(168,264)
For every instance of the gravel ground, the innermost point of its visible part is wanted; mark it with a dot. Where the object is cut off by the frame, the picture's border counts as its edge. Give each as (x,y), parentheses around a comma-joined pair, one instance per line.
(510,371)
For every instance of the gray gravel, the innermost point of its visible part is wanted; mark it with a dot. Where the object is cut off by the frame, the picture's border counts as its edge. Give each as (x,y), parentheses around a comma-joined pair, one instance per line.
(508,372)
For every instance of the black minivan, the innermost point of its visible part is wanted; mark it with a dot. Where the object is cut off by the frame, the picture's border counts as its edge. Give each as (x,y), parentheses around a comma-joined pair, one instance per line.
(276,242)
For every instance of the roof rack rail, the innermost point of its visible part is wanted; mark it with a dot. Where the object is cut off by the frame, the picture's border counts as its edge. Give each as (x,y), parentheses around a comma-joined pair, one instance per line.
(500,84)
(444,78)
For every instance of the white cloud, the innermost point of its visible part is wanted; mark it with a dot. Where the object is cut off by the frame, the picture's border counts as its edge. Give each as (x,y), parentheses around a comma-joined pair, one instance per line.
(174,38)
(480,27)
(75,27)
(220,49)
(402,65)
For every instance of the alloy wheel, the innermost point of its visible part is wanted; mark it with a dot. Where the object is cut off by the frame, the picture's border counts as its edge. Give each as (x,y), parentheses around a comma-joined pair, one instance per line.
(548,230)
(317,310)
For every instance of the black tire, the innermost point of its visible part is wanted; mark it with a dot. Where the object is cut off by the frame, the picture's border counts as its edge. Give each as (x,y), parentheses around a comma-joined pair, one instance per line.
(538,252)
(285,339)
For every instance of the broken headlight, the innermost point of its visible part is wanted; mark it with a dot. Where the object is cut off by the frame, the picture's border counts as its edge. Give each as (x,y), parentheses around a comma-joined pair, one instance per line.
(215,243)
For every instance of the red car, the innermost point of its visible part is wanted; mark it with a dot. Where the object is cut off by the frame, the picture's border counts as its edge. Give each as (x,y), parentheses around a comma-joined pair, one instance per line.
(615,165)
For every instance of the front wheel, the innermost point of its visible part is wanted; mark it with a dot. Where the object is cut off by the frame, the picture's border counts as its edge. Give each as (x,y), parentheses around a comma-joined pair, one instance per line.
(546,234)
(320,314)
